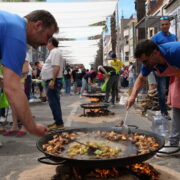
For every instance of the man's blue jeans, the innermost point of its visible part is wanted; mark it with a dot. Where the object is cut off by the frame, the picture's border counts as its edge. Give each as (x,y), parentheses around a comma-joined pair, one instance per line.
(162,86)
(54,100)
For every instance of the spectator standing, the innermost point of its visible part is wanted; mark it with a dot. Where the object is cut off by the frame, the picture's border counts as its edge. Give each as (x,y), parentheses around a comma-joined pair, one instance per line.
(16,32)
(117,65)
(164,36)
(37,72)
(79,75)
(109,72)
(67,79)
(74,79)
(125,75)
(52,74)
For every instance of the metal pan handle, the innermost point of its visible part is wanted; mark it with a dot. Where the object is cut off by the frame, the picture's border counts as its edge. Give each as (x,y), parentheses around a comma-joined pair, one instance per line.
(133,126)
(130,126)
(46,160)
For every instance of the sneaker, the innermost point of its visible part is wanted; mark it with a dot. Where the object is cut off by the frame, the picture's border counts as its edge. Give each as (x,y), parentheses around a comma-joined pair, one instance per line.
(10,133)
(21,133)
(168,150)
(56,127)
(2,119)
(50,125)
(31,100)
(152,91)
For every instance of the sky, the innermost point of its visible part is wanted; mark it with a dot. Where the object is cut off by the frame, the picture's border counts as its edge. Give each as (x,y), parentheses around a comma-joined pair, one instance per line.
(126,7)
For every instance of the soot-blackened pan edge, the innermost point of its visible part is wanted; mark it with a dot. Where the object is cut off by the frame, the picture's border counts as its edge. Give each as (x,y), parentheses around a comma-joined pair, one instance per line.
(94,105)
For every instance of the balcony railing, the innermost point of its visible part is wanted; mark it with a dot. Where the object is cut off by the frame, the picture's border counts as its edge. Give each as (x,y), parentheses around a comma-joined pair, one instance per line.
(153,5)
(126,58)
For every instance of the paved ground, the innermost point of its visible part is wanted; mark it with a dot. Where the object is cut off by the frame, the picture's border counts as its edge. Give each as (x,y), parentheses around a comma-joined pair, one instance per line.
(20,154)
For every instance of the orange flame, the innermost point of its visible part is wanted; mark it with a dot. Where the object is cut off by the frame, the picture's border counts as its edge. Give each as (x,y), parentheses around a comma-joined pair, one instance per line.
(94,99)
(98,110)
(139,169)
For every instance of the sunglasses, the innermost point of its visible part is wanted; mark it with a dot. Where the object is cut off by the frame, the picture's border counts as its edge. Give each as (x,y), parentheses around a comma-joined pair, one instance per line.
(165,18)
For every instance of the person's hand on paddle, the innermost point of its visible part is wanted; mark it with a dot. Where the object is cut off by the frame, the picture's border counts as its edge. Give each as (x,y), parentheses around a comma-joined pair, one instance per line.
(129,102)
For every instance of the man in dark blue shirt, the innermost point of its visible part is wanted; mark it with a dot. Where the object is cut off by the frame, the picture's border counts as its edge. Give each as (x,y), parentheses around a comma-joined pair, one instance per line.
(154,58)
(164,60)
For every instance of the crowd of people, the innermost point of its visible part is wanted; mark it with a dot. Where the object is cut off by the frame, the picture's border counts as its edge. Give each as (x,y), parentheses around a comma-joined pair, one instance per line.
(20,81)
(46,81)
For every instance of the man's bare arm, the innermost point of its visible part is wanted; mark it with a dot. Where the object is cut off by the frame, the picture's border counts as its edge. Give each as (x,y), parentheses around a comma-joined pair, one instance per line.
(56,70)
(25,68)
(137,87)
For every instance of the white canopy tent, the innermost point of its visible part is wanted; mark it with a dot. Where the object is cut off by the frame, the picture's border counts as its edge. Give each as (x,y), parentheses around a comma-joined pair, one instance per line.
(74,19)
(79,32)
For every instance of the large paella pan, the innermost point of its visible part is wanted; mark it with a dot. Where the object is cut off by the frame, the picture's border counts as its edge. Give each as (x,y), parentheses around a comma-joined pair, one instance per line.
(114,147)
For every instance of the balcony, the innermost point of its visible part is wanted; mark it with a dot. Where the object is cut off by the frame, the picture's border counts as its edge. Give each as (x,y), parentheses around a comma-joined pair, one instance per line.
(126,32)
(126,58)
(126,48)
(152,6)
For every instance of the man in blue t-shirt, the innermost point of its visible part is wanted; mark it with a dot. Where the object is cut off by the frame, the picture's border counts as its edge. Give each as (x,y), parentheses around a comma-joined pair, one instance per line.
(164,61)
(16,32)
(164,36)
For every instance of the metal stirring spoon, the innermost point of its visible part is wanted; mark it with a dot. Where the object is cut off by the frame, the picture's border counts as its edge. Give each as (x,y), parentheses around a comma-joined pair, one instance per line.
(91,149)
(125,128)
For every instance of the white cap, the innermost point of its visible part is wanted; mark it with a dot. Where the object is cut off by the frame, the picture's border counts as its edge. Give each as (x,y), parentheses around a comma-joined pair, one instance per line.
(99,67)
